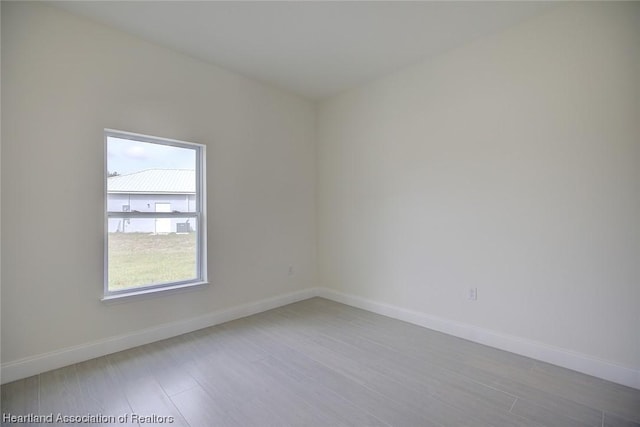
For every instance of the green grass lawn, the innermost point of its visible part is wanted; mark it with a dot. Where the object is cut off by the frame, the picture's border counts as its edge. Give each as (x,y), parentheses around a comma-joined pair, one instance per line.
(140,259)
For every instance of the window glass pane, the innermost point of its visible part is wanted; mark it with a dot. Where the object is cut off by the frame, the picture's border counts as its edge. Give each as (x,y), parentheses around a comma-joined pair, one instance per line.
(151,251)
(154,205)
(148,177)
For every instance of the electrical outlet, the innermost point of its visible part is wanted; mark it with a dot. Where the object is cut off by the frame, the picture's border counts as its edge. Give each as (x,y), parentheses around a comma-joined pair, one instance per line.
(473,294)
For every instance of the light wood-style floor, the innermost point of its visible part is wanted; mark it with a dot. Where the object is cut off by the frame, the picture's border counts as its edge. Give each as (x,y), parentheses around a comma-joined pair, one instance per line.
(320,363)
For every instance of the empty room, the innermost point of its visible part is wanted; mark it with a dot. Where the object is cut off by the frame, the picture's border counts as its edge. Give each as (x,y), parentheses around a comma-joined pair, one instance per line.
(320,213)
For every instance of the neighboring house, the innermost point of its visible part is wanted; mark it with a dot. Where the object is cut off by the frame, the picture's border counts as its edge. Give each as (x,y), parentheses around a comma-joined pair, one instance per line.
(152,190)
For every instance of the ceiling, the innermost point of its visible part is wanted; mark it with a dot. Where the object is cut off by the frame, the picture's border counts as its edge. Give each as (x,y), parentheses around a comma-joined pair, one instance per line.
(316,49)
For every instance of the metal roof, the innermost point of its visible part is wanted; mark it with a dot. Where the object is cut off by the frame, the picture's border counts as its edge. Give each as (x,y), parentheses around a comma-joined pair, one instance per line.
(165,181)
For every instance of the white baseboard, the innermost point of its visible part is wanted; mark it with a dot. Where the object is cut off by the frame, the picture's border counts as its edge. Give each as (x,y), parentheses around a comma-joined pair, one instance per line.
(536,350)
(33,365)
(29,366)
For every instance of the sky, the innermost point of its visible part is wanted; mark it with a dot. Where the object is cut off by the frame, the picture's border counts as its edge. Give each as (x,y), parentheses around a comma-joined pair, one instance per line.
(125,156)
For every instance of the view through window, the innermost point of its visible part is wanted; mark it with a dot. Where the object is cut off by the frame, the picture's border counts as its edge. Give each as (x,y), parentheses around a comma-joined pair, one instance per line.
(154,201)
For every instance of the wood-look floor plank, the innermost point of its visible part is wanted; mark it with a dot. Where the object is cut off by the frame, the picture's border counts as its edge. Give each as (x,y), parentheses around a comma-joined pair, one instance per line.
(319,396)
(429,345)
(21,398)
(320,363)
(489,366)
(226,374)
(611,420)
(244,344)
(608,396)
(380,357)
(168,370)
(60,393)
(97,385)
(439,404)
(246,391)
(372,401)
(586,415)
(199,409)
(143,392)
(545,416)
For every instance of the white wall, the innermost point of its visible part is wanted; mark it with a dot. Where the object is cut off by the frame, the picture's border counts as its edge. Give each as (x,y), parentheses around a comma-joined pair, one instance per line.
(65,79)
(511,165)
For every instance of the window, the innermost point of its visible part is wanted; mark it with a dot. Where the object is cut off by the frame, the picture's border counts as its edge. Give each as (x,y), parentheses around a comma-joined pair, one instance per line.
(155,214)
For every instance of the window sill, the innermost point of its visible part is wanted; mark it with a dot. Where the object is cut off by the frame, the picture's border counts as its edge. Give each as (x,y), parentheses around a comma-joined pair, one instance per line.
(153,292)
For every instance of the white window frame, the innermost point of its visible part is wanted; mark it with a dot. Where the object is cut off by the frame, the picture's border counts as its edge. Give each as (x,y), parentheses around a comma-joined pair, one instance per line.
(199,216)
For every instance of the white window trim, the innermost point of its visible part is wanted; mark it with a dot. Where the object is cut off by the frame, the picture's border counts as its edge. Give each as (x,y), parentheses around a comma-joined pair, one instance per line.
(200,215)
